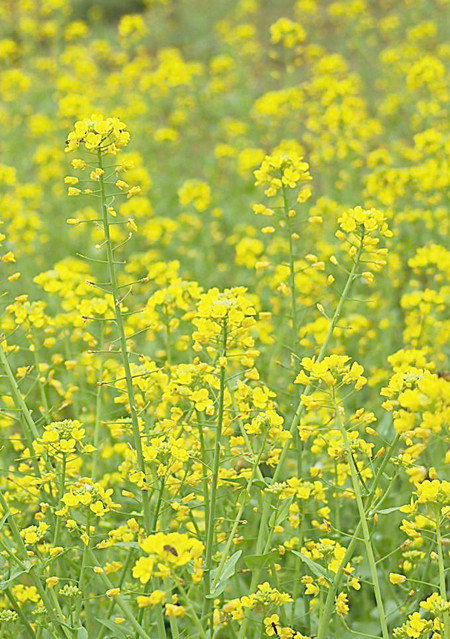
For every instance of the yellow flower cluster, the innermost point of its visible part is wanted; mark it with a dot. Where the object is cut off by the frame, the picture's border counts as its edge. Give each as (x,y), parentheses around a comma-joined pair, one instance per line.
(280,171)
(87,495)
(229,314)
(97,133)
(184,453)
(167,552)
(333,371)
(61,438)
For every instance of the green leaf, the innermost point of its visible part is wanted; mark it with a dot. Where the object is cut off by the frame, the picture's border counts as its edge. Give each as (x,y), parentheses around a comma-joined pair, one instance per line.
(3,520)
(261,561)
(315,568)
(127,544)
(228,571)
(14,574)
(259,483)
(280,514)
(116,630)
(386,511)
(81,633)
(244,498)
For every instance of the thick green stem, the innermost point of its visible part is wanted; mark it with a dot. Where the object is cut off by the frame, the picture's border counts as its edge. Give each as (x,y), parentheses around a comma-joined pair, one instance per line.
(123,347)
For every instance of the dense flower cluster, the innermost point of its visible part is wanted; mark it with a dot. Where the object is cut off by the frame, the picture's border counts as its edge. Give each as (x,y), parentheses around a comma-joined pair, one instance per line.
(224,373)
(98,133)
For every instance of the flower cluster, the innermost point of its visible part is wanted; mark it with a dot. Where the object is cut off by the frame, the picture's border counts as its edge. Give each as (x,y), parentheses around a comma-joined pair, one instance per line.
(280,171)
(333,371)
(184,453)
(98,134)
(167,552)
(88,496)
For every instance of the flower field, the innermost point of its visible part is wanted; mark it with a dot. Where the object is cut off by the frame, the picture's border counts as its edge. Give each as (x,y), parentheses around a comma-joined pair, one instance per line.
(224,326)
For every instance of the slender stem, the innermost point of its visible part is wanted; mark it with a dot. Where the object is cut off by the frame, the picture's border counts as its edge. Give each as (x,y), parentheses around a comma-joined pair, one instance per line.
(187,602)
(121,581)
(160,622)
(207,604)
(297,569)
(98,409)
(123,605)
(158,504)
(62,483)
(204,466)
(18,609)
(292,282)
(264,533)
(364,525)
(55,617)
(81,580)
(30,430)
(123,347)
(441,565)
(247,493)
(40,384)
(329,602)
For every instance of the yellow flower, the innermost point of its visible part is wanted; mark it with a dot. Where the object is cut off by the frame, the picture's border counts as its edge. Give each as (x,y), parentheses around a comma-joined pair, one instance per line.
(341,604)
(396,579)
(155,598)
(143,569)
(51,582)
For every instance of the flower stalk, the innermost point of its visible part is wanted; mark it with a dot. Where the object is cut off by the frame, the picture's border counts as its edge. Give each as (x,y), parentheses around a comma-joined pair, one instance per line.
(123,345)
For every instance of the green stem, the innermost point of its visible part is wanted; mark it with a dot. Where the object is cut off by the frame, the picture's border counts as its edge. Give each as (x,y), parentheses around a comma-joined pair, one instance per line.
(187,602)
(98,410)
(121,582)
(364,525)
(28,629)
(207,605)
(123,347)
(158,504)
(441,565)
(30,430)
(160,622)
(247,494)
(55,617)
(292,282)
(123,605)
(40,384)
(329,602)
(60,496)
(204,466)
(297,570)
(264,533)
(81,579)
